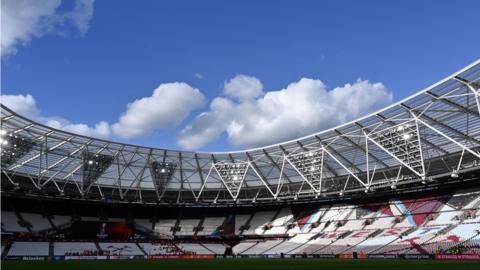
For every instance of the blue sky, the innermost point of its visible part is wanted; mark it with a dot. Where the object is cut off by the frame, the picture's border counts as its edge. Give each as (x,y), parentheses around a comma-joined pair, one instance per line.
(131,47)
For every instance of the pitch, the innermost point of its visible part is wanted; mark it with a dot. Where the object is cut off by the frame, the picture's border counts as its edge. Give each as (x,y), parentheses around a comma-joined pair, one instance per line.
(243,264)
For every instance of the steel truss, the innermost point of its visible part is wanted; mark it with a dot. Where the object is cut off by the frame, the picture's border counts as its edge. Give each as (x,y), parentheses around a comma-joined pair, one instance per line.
(433,133)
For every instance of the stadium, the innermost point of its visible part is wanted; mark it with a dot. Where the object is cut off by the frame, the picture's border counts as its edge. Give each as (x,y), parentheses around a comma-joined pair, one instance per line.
(396,188)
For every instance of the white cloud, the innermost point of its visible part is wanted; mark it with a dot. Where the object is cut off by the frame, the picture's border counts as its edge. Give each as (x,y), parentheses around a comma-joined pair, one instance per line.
(303,107)
(22,20)
(81,15)
(26,105)
(246,114)
(243,87)
(198,76)
(101,129)
(168,106)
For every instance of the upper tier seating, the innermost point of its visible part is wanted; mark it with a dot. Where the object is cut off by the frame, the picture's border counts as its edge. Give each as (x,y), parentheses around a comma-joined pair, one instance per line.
(38,222)
(145,223)
(240,221)
(61,220)
(279,223)
(210,225)
(187,227)
(10,222)
(259,220)
(164,226)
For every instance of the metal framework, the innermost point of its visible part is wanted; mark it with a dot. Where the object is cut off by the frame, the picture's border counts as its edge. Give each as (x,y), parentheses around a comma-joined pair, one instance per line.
(432,134)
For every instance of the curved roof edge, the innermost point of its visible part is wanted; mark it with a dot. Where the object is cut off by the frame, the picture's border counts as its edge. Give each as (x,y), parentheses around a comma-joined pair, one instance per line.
(477,62)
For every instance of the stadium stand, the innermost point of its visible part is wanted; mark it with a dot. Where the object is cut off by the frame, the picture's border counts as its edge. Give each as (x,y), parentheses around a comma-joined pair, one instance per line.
(60,220)
(165,226)
(162,248)
(121,248)
(218,249)
(187,227)
(29,249)
(73,248)
(441,224)
(10,222)
(37,222)
(258,221)
(210,225)
(241,221)
(194,248)
(417,203)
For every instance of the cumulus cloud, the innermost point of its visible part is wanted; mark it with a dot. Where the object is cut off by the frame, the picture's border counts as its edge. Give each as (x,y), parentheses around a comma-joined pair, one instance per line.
(26,105)
(166,108)
(303,107)
(22,104)
(245,113)
(243,87)
(100,130)
(23,20)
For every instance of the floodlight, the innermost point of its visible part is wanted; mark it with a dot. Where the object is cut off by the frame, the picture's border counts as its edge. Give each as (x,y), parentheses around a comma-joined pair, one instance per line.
(406,136)
(161,173)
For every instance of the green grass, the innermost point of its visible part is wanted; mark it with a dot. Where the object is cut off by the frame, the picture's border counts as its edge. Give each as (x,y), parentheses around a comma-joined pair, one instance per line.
(242,264)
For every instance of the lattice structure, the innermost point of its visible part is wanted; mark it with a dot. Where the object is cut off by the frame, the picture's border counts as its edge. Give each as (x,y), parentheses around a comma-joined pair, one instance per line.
(13,147)
(310,166)
(94,165)
(429,139)
(162,172)
(232,176)
(402,142)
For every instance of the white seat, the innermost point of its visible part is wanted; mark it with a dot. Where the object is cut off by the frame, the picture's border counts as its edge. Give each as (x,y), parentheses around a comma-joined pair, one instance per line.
(29,249)
(61,248)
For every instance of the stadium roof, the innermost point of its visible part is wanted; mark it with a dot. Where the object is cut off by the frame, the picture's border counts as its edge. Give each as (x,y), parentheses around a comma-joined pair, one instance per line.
(432,134)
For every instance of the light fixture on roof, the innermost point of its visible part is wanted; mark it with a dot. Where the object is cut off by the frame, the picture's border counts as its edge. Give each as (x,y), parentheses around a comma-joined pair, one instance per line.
(94,166)
(407,136)
(454,174)
(161,173)
(13,148)
(393,186)
(3,132)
